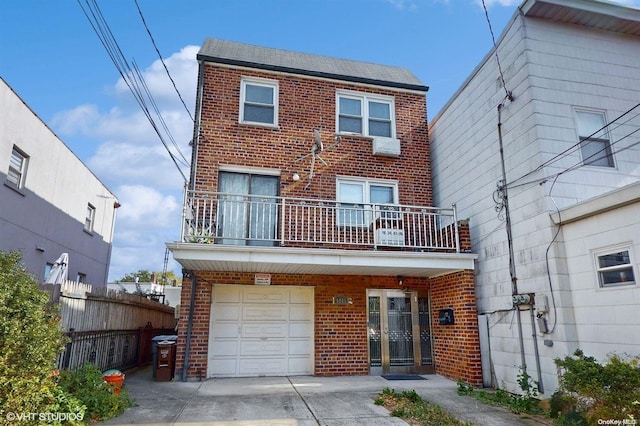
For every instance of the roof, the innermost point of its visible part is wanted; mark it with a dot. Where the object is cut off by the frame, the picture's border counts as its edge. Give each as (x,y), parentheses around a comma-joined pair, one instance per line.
(596,14)
(270,59)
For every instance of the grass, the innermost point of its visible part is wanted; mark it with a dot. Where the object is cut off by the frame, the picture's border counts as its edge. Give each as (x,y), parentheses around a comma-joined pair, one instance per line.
(517,404)
(414,410)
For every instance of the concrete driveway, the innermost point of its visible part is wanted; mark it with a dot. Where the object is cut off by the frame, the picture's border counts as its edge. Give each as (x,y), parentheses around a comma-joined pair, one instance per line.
(299,400)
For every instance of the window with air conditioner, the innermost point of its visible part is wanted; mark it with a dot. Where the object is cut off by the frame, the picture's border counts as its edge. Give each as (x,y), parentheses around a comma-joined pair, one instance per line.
(361,201)
(365,114)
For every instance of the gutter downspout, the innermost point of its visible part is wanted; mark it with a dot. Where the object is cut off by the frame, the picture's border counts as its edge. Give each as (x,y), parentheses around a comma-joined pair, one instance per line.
(196,127)
(192,185)
(187,348)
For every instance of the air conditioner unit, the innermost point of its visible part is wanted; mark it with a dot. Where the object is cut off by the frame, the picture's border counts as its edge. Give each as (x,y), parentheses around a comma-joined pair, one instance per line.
(386,147)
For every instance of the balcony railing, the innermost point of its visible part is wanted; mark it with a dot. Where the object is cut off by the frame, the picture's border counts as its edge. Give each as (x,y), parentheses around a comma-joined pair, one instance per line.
(240,219)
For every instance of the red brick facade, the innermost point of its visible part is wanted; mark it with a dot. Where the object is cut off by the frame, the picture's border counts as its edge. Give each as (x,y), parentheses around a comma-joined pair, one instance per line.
(341,341)
(304,105)
(341,346)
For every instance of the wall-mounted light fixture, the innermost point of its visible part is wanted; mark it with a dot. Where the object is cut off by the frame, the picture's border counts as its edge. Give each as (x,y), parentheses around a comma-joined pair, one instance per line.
(400,280)
(39,248)
(295,177)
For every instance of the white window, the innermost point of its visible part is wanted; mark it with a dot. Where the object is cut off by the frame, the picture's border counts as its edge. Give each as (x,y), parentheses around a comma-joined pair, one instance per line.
(615,268)
(365,114)
(81,278)
(259,101)
(17,167)
(358,196)
(89,219)
(594,139)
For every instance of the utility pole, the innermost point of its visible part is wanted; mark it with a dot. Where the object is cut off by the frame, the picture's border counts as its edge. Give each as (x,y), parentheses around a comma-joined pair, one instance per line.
(502,190)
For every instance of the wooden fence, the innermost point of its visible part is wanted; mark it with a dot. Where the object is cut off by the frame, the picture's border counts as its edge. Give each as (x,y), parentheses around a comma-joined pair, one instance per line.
(108,328)
(87,308)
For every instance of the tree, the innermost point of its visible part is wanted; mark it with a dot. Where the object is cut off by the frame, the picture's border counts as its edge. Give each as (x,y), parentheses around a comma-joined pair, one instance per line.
(30,340)
(142,275)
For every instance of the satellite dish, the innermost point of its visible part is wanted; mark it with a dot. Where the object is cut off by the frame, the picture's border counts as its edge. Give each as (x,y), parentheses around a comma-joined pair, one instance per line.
(316,149)
(318,140)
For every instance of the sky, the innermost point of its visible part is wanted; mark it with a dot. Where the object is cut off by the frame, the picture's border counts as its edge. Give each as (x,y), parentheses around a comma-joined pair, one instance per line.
(51,57)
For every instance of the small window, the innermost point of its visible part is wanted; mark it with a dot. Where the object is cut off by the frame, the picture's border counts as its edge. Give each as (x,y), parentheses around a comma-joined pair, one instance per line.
(89,219)
(357,197)
(47,269)
(81,278)
(17,167)
(259,102)
(594,139)
(615,269)
(365,114)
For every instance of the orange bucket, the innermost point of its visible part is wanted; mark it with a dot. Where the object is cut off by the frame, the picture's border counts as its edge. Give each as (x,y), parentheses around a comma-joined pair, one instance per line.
(114,380)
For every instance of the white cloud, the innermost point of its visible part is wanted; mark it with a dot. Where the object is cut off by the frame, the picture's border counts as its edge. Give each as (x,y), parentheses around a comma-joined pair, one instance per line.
(403,4)
(144,207)
(131,160)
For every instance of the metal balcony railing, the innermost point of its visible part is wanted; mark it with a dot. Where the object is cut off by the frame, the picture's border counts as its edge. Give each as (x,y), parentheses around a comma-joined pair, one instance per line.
(240,219)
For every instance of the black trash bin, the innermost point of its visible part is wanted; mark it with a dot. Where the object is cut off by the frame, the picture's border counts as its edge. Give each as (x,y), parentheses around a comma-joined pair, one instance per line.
(166,361)
(154,350)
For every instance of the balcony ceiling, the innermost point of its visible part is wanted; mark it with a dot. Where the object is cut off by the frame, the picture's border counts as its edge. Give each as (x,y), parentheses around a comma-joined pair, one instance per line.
(287,260)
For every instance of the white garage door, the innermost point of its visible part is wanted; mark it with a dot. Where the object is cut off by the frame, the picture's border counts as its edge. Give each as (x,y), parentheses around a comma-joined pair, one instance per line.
(261,331)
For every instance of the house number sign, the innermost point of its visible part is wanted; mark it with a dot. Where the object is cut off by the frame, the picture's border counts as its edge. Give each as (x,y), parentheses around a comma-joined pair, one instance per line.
(340,300)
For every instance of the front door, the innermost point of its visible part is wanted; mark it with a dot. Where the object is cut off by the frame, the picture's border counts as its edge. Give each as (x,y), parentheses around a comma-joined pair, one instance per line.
(399,332)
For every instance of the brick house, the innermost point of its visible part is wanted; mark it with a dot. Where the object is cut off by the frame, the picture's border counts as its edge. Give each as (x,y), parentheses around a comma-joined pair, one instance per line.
(309,242)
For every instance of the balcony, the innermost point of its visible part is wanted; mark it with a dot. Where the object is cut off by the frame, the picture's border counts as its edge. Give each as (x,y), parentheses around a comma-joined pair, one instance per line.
(255,233)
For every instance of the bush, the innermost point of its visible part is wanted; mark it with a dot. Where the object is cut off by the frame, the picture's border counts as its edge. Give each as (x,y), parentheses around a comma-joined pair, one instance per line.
(595,391)
(88,386)
(30,340)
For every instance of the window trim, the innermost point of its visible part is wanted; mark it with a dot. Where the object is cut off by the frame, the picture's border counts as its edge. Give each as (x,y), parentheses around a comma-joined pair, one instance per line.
(581,138)
(255,81)
(364,99)
(89,220)
(597,254)
(367,218)
(23,168)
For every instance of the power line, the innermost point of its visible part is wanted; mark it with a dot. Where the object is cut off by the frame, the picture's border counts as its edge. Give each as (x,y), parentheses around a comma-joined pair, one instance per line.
(144,22)
(509,95)
(585,160)
(133,79)
(574,147)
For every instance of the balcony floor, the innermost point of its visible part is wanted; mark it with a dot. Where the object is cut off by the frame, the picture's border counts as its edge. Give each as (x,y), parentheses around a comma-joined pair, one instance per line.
(316,261)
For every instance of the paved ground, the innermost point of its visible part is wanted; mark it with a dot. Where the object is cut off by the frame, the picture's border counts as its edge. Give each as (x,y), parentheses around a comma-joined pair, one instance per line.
(289,401)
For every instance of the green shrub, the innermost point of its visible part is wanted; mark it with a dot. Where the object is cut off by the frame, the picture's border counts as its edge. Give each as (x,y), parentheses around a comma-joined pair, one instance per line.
(30,340)
(599,391)
(464,388)
(88,386)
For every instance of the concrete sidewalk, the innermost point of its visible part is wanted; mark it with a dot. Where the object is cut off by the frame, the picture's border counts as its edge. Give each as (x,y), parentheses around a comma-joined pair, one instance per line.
(298,400)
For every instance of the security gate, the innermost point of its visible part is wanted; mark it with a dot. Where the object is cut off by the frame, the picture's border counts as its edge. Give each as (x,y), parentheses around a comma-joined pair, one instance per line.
(399,332)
